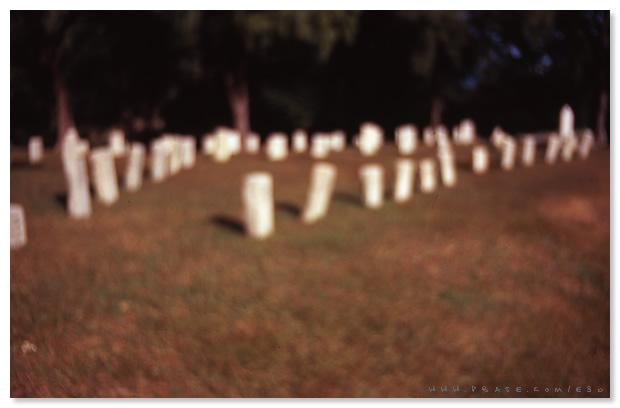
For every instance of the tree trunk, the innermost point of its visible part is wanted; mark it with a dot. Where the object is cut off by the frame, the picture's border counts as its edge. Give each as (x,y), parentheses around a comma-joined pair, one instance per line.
(601,131)
(436,109)
(239,99)
(64,115)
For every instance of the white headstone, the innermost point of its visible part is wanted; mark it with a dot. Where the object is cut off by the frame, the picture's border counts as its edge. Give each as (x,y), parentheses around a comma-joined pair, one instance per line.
(188,152)
(35,149)
(19,237)
(428,175)
(497,137)
(252,143)
(428,135)
(467,132)
(322,182)
(509,153)
(406,139)
(135,167)
(568,148)
(337,141)
(234,141)
(447,167)
(258,205)
(74,153)
(208,144)
(371,176)
(404,176)
(480,159)
(159,160)
(370,139)
(587,141)
(175,155)
(276,147)
(320,146)
(553,149)
(104,175)
(300,141)
(116,142)
(528,155)
(567,122)
(222,151)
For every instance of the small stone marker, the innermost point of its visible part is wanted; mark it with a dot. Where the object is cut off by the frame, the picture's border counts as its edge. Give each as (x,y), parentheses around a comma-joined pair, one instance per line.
(234,141)
(528,155)
(159,160)
(370,139)
(466,132)
(277,147)
(372,185)
(73,155)
(35,149)
(18,227)
(567,123)
(587,141)
(252,143)
(568,148)
(188,152)
(428,135)
(428,175)
(104,175)
(406,139)
(116,142)
(222,151)
(480,159)
(553,148)
(509,154)
(300,141)
(337,141)
(322,182)
(135,167)
(258,204)
(447,166)
(208,144)
(320,146)
(404,175)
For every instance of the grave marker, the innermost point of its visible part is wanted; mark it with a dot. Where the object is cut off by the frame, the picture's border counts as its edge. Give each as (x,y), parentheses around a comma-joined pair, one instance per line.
(480,159)
(19,236)
(73,156)
(371,176)
(404,176)
(300,141)
(587,141)
(35,149)
(528,155)
(406,139)
(553,148)
(135,167)
(104,175)
(322,182)
(258,205)
(277,147)
(428,175)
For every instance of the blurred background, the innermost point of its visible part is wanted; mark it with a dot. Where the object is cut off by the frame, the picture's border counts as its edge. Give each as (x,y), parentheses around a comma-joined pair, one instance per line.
(189,71)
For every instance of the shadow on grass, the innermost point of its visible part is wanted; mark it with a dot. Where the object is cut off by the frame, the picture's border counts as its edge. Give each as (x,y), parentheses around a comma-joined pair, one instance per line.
(347,198)
(290,208)
(227,222)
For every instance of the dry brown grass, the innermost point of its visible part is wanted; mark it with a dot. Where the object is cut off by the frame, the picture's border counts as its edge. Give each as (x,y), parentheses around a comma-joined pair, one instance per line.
(502,281)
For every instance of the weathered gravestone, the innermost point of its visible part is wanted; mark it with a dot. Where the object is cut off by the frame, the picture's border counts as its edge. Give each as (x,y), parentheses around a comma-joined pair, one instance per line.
(222,153)
(276,147)
(404,175)
(406,139)
(35,149)
(258,204)
(320,146)
(480,159)
(466,132)
(587,141)
(567,123)
(234,141)
(568,148)
(497,137)
(553,149)
(509,153)
(116,142)
(159,160)
(300,141)
(528,155)
(135,167)
(74,152)
(175,154)
(370,139)
(104,175)
(371,176)
(447,167)
(19,237)
(428,175)
(252,143)
(188,151)
(337,141)
(208,144)
(322,182)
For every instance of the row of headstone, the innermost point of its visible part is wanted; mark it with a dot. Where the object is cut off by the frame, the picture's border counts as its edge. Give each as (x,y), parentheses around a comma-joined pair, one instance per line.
(170,153)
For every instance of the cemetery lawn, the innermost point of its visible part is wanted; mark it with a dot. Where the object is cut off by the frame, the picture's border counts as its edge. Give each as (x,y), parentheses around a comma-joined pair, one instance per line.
(502,281)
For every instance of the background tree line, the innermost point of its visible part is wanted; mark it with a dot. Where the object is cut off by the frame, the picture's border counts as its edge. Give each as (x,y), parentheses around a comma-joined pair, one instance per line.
(265,71)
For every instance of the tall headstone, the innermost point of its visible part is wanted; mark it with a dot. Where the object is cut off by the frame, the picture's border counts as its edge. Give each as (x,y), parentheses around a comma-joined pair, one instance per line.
(371,176)
(370,139)
(252,143)
(19,237)
(175,155)
(447,167)
(159,160)
(467,132)
(428,175)
(567,123)
(320,146)
(188,152)
(509,154)
(74,152)
(428,135)
(258,205)
(337,141)
(300,141)
(322,182)
(404,176)
(135,167)
(276,147)
(116,142)
(586,143)
(553,149)
(480,159)
(35,149)
(104,175)
(222,151)
(406,139)
(528,155)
